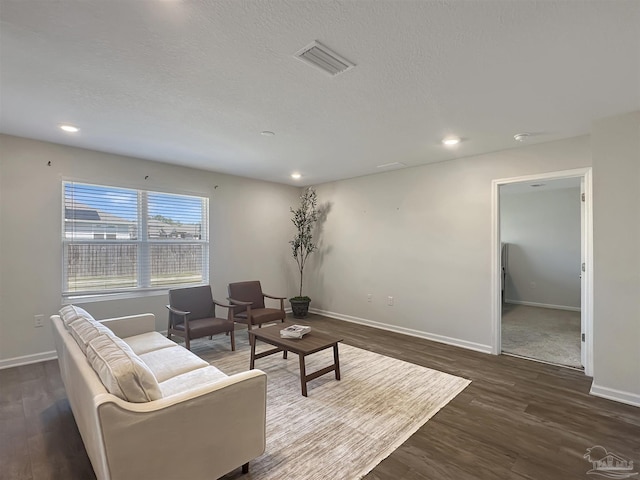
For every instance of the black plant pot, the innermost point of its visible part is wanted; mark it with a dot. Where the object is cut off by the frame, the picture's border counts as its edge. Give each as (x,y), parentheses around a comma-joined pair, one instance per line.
(300,307)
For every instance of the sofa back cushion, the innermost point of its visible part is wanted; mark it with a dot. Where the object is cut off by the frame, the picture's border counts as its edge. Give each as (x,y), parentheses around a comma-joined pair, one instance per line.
(70,313)
(121,371)
(84,330)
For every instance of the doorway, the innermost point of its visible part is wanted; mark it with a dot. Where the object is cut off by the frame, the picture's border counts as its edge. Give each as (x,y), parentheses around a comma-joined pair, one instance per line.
(542,283)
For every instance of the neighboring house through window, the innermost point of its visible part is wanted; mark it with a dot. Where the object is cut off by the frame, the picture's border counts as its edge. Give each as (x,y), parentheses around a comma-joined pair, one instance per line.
(118,239)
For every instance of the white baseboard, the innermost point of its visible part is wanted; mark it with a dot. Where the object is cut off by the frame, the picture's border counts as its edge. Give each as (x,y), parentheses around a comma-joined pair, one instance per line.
(615,395)
(28,359)
(456,342)
(542,305)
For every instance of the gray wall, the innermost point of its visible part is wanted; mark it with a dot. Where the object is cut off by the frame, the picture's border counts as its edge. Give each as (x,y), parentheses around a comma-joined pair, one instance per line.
(30,233)
(616,244)
(542,229)
(423,236)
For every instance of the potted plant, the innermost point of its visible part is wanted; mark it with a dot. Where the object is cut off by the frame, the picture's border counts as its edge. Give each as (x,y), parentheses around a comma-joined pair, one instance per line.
(304,218)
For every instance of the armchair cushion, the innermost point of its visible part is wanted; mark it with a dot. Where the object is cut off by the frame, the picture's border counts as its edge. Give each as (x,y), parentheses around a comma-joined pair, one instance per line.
(247,292)
(262,315)
(203,327)
(196,300)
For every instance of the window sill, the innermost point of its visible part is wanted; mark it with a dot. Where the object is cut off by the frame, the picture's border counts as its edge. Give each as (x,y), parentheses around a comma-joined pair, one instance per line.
(80,299)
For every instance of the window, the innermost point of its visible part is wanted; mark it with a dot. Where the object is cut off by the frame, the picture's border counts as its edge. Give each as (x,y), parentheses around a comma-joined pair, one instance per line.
(117,240)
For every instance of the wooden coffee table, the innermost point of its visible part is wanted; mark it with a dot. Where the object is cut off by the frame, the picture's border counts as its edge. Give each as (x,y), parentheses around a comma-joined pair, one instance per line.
(312,342)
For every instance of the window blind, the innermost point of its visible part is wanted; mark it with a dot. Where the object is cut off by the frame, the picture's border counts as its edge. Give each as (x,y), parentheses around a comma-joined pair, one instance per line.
(118,239)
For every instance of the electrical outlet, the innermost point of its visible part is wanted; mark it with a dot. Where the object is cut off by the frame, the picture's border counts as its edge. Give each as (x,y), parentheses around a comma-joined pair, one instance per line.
(390,301)
(369,297)
(38,321)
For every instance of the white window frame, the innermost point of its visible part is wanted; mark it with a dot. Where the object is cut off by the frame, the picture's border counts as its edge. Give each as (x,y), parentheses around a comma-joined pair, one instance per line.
(143,242)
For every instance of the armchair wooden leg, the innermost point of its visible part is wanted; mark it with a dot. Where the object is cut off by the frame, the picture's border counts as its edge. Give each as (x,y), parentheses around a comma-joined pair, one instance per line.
(186,343)
(233,341)
(245,468)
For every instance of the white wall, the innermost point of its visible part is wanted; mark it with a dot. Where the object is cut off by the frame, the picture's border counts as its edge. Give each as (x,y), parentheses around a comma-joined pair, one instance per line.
(616,244)
(249,219)
(423,236)
(542,229)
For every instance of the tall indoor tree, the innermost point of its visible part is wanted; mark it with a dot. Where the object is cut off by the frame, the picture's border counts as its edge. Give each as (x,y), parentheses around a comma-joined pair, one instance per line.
(304,218)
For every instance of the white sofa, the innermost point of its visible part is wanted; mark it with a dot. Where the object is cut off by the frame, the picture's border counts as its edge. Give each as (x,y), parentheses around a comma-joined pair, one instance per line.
(187,420)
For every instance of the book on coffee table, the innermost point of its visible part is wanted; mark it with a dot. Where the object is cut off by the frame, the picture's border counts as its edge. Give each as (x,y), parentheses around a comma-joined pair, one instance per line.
(295,331)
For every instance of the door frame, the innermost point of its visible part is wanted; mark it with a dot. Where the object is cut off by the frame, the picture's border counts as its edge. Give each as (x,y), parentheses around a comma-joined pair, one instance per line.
(586,313)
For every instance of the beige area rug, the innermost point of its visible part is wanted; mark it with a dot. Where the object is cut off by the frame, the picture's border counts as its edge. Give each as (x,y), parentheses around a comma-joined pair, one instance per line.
(343,429)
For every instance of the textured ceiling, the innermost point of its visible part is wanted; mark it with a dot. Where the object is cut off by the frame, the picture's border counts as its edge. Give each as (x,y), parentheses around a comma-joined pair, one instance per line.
(195,82)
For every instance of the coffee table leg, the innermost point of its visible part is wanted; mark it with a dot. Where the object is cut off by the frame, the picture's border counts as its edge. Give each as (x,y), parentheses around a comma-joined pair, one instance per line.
(252,362)
(336,361)
(303,375)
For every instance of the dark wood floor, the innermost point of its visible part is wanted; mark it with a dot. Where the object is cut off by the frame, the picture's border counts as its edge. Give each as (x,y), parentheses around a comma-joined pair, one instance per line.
(517,420)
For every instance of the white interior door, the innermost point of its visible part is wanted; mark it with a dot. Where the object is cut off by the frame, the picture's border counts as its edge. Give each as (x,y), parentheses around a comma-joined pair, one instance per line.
(584,270)
(583,289)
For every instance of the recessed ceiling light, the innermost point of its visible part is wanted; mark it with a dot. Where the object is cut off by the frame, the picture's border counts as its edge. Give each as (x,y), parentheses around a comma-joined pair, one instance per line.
(296,176)
(521,137)
(69,128)
(267,133)
(451,141)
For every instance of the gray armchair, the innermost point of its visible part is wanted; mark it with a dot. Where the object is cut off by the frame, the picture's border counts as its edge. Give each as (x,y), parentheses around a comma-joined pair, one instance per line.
(192,314)
(248,299)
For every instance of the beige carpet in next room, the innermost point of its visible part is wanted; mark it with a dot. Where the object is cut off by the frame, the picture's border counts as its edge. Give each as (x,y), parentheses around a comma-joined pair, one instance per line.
(544,334)
(343,429)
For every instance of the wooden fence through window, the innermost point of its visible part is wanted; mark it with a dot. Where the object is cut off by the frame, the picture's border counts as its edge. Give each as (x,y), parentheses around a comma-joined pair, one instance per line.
(91,261)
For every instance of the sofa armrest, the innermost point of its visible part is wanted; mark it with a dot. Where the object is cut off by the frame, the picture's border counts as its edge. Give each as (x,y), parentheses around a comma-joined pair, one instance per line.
(216,428)
(131,325)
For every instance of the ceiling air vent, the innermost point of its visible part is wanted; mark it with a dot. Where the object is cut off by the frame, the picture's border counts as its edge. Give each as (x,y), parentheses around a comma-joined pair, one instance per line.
(319,56)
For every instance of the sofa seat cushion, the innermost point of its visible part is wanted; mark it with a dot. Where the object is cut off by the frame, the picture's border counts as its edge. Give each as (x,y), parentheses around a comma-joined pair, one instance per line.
(170,362)
(148,342)
(84,330)
(121,371)
(186,381)
(262,315)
